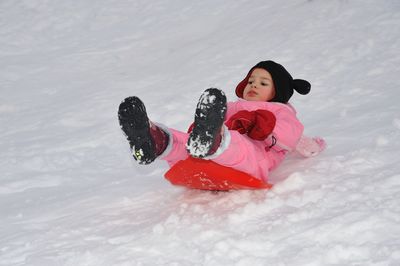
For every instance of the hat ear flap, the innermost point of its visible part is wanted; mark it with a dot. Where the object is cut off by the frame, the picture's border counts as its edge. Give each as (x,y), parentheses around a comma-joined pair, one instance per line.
(301,86)
(240,88)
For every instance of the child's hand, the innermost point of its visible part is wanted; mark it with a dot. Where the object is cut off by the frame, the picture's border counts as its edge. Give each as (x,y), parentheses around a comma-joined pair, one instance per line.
(257,124)
(242,121)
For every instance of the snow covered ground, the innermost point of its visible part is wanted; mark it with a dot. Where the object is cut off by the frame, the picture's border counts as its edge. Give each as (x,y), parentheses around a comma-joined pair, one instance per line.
(71,195)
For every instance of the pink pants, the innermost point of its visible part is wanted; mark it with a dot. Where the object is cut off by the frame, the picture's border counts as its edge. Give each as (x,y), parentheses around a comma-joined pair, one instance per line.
(236,151)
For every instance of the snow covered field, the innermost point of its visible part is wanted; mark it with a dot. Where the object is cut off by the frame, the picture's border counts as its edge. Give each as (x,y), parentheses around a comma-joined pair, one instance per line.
(71,195)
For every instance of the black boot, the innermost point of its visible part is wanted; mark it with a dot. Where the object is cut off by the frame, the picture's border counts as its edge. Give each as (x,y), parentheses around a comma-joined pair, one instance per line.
(136,126)
(209,118)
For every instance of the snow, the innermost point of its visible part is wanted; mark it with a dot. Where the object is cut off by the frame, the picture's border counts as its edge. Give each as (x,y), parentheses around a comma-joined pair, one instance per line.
(70,193)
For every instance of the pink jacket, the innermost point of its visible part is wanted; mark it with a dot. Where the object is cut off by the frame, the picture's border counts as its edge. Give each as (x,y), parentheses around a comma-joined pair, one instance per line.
(288,129)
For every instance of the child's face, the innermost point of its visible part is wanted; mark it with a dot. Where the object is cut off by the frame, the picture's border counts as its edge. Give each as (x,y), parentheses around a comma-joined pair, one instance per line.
(260,86)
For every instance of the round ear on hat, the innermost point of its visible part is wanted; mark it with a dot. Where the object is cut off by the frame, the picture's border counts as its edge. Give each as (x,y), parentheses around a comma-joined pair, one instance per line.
(301,86)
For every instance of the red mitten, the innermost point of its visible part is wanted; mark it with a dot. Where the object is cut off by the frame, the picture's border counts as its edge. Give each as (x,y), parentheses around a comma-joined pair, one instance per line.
(257,124)
(264,125)
(243,121)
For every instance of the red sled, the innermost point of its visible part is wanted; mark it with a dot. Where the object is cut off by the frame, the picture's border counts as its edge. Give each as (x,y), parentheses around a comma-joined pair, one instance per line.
(207,175)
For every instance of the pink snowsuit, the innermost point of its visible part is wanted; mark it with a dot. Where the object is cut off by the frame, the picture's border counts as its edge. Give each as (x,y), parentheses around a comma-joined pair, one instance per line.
(240,152)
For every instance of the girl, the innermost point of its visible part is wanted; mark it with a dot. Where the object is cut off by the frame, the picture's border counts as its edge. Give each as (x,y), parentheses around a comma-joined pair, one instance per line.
(253,134)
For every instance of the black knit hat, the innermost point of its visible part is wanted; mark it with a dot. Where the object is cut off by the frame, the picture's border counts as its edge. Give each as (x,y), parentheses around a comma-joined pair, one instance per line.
(283,82)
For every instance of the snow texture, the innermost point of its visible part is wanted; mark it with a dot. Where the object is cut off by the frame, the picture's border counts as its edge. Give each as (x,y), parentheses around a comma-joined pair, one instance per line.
(71,194)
